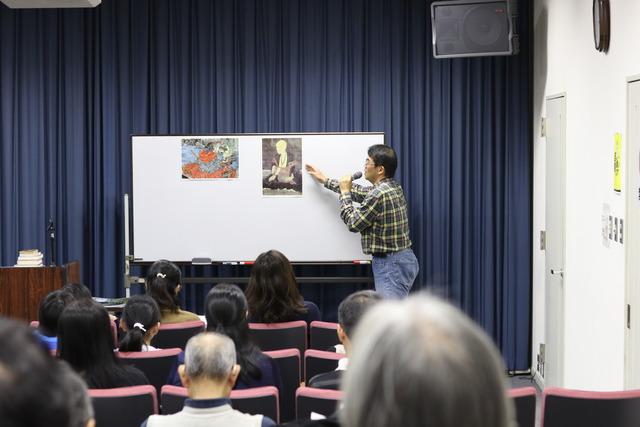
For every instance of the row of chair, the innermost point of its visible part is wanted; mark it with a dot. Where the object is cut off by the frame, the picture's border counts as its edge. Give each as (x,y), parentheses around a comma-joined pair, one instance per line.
(575,408)
(268,336)
(129,406)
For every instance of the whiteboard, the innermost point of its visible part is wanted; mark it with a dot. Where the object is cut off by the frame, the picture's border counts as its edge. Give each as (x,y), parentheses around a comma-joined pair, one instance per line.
(229,219)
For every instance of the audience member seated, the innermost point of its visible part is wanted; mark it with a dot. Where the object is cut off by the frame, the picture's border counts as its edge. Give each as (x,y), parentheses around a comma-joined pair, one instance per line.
(49,312)
(36,389)
(140,321)
(163,285)
(421,362)
(349,313)
(226,313)
(273,293)
(76,291)
(86,343)
(209,372)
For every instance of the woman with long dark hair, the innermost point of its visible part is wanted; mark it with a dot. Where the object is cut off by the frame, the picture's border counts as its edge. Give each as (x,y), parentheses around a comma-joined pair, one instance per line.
(273,294)
(163,285)
(85,341)
(140,321)
(226,313)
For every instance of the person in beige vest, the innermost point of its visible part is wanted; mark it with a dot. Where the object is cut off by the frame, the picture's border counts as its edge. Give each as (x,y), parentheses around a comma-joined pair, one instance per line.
(209,373)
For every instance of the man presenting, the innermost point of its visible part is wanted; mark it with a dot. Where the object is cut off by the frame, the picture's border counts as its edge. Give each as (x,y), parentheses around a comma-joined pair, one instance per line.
(381,219)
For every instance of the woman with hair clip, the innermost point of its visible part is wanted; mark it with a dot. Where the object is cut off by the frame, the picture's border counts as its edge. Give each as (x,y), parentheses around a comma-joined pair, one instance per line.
(226,312)
(273,294)
(86,343)
(163,285)
(140,321)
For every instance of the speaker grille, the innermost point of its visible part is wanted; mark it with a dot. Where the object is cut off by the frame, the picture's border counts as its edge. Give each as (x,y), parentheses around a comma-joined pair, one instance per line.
(471,28)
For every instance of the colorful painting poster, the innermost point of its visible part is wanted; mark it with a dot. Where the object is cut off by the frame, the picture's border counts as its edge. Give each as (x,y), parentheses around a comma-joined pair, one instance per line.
(282,167)
(210,158)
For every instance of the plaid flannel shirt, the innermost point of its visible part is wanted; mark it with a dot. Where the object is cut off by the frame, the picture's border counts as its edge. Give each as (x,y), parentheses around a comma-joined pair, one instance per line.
(381,218)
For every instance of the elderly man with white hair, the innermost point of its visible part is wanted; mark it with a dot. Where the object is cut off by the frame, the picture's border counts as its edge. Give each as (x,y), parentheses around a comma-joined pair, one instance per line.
(209,373)
(422,362)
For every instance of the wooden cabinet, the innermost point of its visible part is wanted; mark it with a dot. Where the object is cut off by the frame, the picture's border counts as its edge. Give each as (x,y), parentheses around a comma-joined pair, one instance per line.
(22,288)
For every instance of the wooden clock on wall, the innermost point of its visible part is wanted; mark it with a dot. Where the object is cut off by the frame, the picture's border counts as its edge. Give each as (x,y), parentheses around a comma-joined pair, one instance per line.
(601,25)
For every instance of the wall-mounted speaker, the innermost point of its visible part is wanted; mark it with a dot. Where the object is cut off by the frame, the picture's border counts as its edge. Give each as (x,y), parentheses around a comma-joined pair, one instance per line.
(472,28)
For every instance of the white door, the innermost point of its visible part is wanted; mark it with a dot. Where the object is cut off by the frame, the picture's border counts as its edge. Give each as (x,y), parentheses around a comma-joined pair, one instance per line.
(555,236)
(631,237)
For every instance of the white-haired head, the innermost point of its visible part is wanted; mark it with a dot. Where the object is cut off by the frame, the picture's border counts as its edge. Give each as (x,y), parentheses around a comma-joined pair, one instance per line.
(422,362)
(209,356)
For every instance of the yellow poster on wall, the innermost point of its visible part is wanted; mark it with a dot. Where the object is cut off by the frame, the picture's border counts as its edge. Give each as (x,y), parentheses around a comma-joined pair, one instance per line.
(617,161)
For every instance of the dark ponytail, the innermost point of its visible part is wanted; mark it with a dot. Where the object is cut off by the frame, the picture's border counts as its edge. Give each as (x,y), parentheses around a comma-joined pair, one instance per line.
(163,278)
(226,313)
(140,314)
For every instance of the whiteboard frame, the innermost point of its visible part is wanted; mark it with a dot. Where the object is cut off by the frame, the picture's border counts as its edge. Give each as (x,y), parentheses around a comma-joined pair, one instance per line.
(376,138)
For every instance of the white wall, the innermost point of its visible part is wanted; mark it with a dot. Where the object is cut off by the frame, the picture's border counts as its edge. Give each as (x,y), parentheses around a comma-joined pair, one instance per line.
(595,85)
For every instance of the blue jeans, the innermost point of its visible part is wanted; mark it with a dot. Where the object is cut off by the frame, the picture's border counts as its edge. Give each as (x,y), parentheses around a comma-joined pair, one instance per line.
(394,274)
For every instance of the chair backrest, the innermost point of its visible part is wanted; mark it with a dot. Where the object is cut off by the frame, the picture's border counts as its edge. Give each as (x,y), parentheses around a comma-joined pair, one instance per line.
(124,406)
(259,400)
(323,335)
(524,400)
(316,400)
(318,362)
(176,335)
(569,408)
(280,336)
(172,399)
(288,362)
(156,365)
(114,330)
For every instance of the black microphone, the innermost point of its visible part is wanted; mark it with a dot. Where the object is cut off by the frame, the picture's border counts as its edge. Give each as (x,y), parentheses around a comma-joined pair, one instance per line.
(356,175)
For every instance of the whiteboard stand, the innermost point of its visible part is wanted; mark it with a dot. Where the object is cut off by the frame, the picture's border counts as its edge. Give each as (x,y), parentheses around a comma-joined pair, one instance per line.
(128,258)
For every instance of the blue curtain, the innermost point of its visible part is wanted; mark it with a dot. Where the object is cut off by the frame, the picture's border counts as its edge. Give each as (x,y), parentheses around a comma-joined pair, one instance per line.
(75,84)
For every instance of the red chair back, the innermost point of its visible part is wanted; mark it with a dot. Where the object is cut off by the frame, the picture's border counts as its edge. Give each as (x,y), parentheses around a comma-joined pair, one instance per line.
(280,336)
(172,399)
(288,362)
(176,335)
(316,400)
(323,335)
(124,406)
(318,362)
(156,365)
(259,400)
(524,400)
(573,408)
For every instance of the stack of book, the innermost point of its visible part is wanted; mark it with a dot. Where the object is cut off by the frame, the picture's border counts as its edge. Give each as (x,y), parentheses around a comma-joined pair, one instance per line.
(29,258)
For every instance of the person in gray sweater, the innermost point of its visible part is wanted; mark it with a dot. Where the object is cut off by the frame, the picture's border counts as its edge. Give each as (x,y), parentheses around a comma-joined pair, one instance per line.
(209,373)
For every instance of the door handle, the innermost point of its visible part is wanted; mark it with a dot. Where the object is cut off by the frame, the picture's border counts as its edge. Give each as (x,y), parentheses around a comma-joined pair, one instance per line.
(557,272)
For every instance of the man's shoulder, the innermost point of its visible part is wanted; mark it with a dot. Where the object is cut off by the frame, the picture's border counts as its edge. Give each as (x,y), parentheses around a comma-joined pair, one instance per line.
(183,418)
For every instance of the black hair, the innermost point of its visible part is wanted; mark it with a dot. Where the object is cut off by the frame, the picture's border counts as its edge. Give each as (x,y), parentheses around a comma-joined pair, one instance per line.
(85,341)
(272,292)
(138,309)
(29,378)
(353,307)
(50,310)
(383,155)
(163,278)
(76,291)
(226,313)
